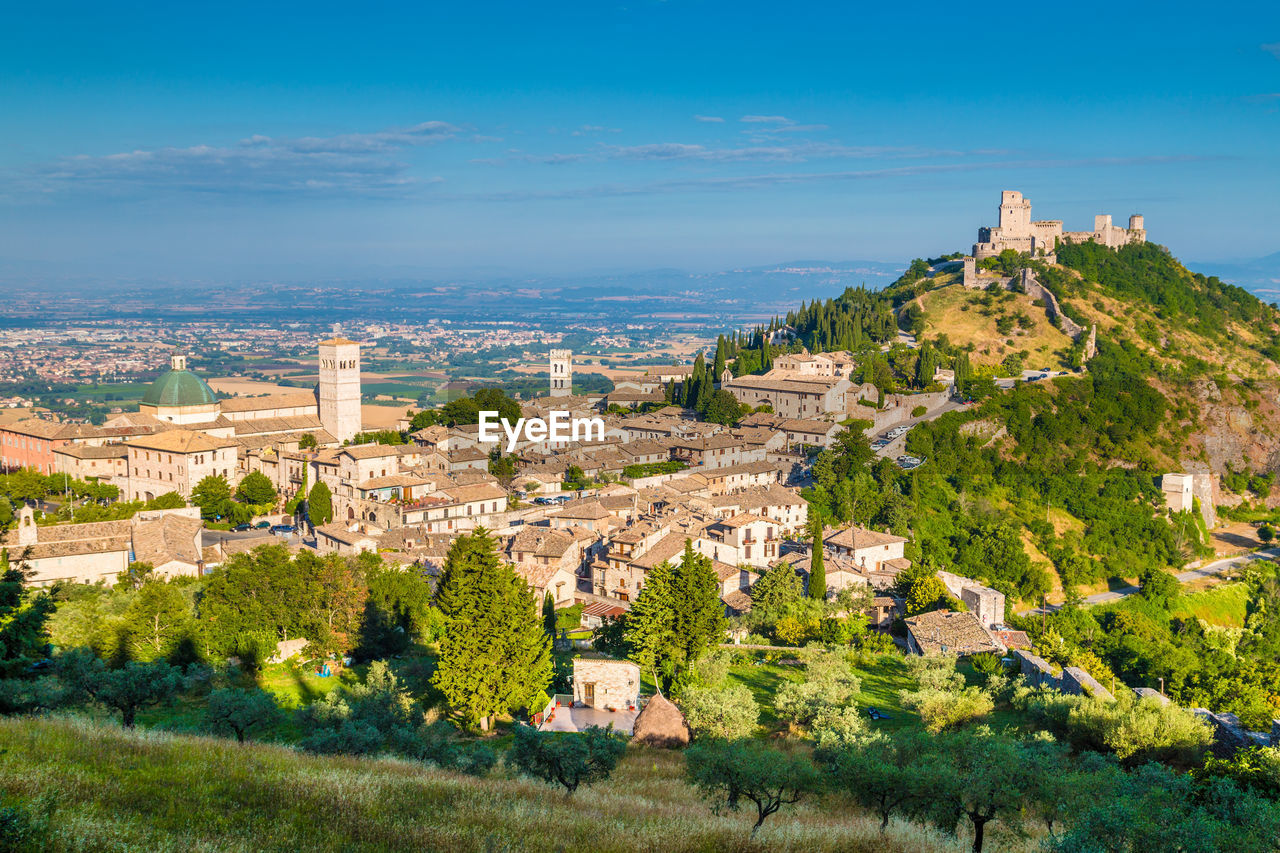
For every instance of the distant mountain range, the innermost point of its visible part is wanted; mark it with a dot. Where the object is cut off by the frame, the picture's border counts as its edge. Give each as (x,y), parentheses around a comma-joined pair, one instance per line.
(1260,276)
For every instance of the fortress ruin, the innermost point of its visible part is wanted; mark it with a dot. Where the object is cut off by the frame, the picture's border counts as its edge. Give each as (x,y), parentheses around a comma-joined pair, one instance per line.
(1040,239)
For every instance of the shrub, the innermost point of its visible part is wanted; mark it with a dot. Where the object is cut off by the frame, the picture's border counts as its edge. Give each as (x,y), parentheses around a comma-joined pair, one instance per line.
(568,759)
(948,709)
(918,411)
(729,713)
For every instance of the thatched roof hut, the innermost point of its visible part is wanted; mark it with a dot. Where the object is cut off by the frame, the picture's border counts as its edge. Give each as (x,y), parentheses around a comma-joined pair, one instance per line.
(661,724)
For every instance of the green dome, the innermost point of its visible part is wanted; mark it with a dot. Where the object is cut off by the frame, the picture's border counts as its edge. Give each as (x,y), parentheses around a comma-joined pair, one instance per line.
(179,388)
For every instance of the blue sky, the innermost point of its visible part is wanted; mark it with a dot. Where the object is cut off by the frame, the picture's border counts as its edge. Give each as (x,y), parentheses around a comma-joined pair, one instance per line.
(197,141)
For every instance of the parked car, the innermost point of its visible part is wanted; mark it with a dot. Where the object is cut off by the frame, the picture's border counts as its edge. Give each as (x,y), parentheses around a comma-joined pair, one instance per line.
(241,528)
(262,525)
(283,529)
(542,501)
(879,443)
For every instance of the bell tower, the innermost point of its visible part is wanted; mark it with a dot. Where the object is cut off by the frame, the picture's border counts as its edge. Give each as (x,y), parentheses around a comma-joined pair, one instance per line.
(339,388)
(561,372)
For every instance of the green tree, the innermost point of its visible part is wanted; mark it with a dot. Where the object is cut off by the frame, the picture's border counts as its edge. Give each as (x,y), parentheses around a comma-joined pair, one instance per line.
(925,594)
(879,772)
(158,618)
(169,500)
(817,569)
(980,776)
(242,712)
(24,615)
(549,614)
(727,712)
(650,625)
(568,759)
(722,408)
(307,442)
(256,489)
(320,504)
(730,772)
(129,689)
(774,592)
(829,684)
(495,655)
(698,620)
(212,495)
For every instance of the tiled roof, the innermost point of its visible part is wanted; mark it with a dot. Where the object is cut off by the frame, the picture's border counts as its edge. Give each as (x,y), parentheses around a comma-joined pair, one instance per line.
(945,632)
(181,441)
(857,538)
(296,400)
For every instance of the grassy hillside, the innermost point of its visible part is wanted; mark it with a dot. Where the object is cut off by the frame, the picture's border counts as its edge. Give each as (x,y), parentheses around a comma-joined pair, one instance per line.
(118,790)
(973,319)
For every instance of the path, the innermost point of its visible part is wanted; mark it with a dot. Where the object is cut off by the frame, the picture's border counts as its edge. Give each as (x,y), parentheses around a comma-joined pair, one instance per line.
(1208,570)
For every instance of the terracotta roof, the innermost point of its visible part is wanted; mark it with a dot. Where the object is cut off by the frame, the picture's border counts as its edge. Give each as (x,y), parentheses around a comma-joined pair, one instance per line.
(167,539)
(182,441)
(369,451)
(945,632)
(337,341)
(536,575)
(857,538)
(541,542)
(296,400)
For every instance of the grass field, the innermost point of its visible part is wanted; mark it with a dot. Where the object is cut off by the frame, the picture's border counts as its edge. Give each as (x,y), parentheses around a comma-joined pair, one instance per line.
(1222,605)
(137,790)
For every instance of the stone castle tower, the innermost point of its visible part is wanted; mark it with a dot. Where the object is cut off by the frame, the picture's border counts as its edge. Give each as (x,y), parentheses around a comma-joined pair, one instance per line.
(561,369)
(339,390)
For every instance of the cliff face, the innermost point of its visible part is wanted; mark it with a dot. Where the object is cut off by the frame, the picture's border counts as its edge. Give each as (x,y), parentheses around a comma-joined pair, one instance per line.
(1234,427)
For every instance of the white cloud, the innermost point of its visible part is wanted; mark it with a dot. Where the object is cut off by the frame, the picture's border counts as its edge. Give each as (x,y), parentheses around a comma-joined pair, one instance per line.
(346,164)
(715,119)
(766,120)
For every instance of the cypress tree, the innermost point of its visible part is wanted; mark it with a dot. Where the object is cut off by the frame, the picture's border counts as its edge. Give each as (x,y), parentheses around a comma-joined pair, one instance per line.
(721,351)
(817,571)
(549,614)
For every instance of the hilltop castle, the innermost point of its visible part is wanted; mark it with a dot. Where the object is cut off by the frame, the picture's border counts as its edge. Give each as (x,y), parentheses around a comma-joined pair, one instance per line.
(1040,239)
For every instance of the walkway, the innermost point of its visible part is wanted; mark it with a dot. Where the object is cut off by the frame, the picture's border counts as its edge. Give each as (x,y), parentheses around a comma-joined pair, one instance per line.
(569,719)
(1208,570)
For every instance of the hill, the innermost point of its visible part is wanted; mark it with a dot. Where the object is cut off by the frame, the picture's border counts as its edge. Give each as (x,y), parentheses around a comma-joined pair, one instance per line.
(138,790)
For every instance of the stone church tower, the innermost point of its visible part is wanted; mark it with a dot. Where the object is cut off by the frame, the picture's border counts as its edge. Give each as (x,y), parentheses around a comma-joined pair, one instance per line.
(561,372)
(339,390)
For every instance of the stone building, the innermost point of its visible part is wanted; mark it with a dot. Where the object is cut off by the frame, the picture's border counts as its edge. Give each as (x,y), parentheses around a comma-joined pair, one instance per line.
(1182,491)
(606,683)
(175,461)
(1017,231)
(561,372)
(338,392)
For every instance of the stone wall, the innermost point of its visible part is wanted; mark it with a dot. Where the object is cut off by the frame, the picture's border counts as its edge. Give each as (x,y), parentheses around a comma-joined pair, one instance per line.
(1037,670)
(1080,683)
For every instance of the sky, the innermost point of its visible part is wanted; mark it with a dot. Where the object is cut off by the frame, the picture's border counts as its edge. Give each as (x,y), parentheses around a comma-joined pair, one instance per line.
(276,140)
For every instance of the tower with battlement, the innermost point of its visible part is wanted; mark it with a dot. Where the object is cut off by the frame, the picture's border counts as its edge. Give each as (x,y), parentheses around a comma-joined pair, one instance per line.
(339,389)
(561,370)
(1039,238)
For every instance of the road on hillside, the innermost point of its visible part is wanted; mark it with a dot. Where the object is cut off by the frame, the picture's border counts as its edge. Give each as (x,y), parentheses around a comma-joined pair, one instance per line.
(897,446)
(1209,570)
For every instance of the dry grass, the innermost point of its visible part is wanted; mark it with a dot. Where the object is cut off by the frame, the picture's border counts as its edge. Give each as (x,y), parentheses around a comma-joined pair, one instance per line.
(120,790)
(944,315)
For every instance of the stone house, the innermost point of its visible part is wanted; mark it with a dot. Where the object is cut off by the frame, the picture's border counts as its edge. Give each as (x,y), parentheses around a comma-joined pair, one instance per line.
(606,684)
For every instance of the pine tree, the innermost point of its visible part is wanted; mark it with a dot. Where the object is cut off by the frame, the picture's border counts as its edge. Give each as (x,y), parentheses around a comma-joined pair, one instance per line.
(495,655)
(721,351)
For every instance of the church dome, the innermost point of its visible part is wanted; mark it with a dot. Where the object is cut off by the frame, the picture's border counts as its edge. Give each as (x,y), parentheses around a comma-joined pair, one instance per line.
(179,387)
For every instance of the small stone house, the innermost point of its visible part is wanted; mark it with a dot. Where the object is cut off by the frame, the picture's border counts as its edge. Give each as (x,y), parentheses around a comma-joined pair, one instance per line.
(606,684)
